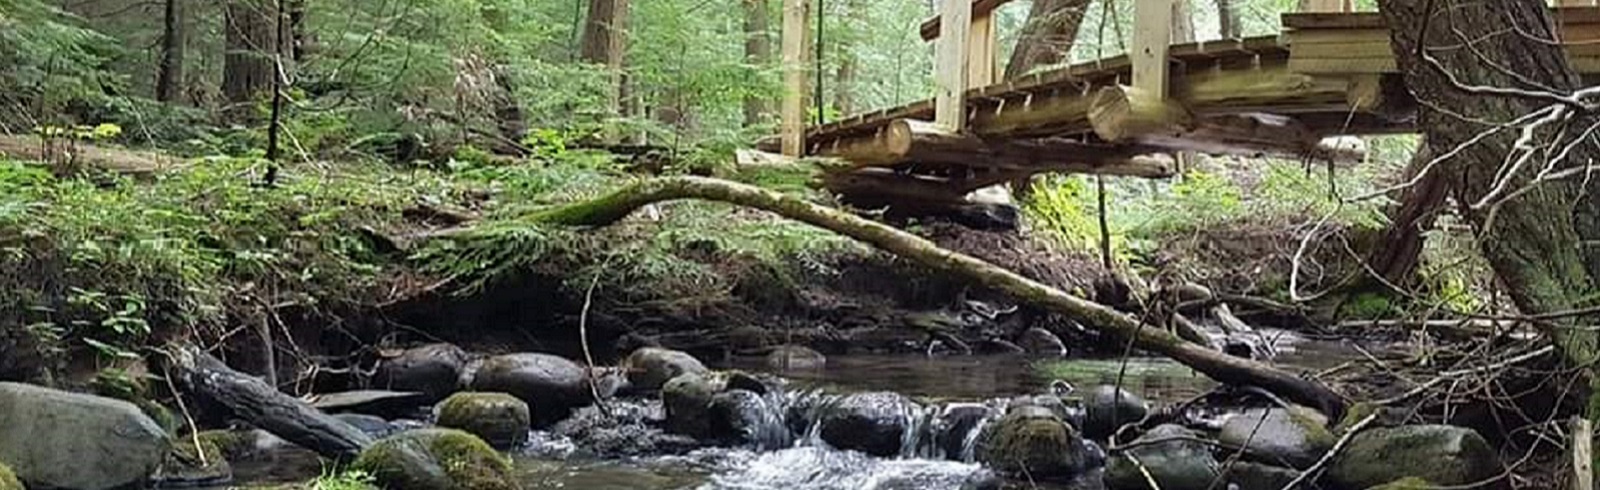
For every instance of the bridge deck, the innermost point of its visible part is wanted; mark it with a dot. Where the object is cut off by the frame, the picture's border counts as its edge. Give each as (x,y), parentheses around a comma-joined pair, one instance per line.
(1327,74)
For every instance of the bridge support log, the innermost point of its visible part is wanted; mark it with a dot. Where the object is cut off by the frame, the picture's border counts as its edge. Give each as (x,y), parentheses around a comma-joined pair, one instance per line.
(1129,115)
(917,141)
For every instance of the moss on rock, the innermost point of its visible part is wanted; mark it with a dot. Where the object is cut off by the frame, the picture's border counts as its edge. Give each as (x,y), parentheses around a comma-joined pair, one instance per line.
(1035,443)
(500,419)
(8,480)
(436,459)
(1407,483)
(232,444)
(189,464)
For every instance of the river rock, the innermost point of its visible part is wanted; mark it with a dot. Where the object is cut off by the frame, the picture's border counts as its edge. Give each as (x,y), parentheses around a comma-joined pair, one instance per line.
(1441,454)
(625,428)
(501,420)
(1407,483)
(650,367)
(1107,407)
(746,418)
(790,356)
(1040,341)
(382,403)
(873,422)
(1296,436)
(1249,475)
(552,386)
(54,438)
(435,370)
(436,459)
(1175,464)
(687,399)
(1033,441)
(954,425)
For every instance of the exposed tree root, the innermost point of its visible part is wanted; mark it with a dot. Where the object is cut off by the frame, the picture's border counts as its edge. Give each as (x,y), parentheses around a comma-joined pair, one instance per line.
(615,206)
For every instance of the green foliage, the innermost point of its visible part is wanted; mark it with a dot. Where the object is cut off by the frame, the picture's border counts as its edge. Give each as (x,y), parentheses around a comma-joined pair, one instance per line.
(345,479)
(1367,306)
(1065,208)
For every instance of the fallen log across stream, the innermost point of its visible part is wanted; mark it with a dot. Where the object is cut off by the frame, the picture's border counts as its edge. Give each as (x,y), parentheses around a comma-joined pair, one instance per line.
(617,205)
(258,403)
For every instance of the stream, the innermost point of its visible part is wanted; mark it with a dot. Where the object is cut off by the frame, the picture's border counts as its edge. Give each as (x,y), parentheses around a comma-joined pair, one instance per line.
(550,463)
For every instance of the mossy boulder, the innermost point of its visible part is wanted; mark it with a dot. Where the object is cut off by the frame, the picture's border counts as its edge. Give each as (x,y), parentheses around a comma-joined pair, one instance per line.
(8,480)
(122,385)
(1256,476)
(1176,462)
(231,444)
(1034,442)
(1296,436)
(436,459)
(649,368)
(1441,454)
(500,419)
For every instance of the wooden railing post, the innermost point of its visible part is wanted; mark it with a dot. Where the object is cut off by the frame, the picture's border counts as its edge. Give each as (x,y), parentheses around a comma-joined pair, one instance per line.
(792,114)
(950,64)
(982,48)
(1152,36)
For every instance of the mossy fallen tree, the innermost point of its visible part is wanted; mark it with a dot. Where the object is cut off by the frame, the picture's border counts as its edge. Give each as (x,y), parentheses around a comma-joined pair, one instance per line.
(619,204)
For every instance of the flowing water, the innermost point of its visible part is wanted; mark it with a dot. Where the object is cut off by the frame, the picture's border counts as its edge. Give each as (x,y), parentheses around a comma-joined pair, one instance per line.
(946,385)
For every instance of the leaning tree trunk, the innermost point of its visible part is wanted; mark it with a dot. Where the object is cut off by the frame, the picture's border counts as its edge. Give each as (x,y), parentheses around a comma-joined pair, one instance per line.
(1221,367)
(261,405)
(1538,242)
(169,81)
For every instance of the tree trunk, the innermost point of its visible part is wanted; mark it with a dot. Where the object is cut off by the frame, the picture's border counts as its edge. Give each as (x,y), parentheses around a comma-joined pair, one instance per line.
(1228,20)
(605,42)
(757,53)
(1182,22)
(612,207)
(1396,255)
(1536,243)
(169,81)
(1047,36)
(247,66)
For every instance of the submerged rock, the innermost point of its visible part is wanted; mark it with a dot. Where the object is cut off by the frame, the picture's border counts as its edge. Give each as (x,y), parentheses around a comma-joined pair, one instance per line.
(436,459)
(649,368)
(1033,441)
(875,423)
(790,356)
(552,386)
(500,419)
(1040,341)
(1107,407)
(373,425)
(1296,436)
(435,370)
(54,438)
(1176,463)
(1441,454)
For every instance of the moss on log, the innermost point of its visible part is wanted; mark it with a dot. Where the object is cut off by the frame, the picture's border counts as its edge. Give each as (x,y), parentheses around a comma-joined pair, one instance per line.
(617,205)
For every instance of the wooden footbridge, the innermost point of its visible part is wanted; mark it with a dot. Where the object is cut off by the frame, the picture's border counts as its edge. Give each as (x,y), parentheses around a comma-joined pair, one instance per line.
(1331,72)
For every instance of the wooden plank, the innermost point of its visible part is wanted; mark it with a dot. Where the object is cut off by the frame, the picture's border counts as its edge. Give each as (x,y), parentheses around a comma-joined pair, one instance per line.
(950,65)
(982,48)
(1152,38)
(793,113)
(930,28)
(1350,20)
(1322,66)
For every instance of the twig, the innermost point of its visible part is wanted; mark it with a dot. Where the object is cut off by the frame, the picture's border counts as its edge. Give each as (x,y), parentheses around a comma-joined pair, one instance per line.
(1340,444)
(194,430)
(583,337)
